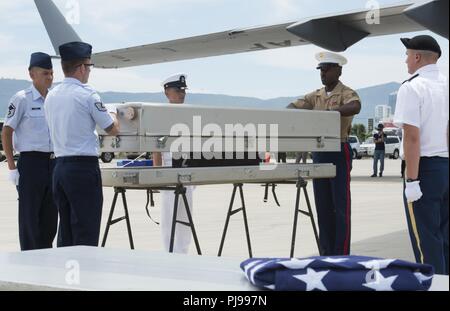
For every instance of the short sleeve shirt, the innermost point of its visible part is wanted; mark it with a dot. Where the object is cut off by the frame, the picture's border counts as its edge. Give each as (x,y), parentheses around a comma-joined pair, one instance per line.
(26,117)
(73,110)
(320,100)
(423,102)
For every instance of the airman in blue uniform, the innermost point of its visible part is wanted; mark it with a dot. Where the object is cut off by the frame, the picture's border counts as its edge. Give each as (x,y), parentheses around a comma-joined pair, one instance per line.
(26,132)
(73,109)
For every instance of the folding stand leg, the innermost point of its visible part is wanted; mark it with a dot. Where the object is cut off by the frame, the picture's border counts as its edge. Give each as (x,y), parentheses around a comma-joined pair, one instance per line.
(191,222)
(227,221)
(174,222)
(313,223)
(127,219)
(274,186)
(111,214)
(244,212)
(181,190)
(266,193)
(294,233)
(152,200)
(231,213)
(301,184)
(112,221)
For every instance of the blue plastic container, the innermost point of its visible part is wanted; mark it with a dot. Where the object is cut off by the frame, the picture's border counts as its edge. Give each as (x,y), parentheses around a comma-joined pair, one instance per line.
(142,163)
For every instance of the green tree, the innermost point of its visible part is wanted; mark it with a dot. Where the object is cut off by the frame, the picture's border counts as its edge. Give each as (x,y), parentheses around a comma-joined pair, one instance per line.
(359,130)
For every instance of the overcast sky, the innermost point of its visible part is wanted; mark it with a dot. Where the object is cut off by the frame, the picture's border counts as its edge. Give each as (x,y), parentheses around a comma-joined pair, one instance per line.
(117,24)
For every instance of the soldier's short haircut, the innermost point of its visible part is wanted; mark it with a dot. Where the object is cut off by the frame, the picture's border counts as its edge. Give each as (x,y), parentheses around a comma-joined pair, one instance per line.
(69,67)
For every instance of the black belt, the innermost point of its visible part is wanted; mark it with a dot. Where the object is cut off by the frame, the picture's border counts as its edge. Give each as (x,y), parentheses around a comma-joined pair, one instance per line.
(79,159)
(436,158)
(35,154)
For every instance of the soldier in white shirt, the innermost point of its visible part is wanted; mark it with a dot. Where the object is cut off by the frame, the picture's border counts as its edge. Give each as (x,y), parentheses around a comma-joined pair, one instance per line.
(422,113)
(73,109)
(26,132)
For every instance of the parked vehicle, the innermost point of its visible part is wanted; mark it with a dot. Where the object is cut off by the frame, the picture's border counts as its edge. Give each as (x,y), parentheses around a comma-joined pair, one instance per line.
(392,143)
(392,131)
(356,147)
(367,148)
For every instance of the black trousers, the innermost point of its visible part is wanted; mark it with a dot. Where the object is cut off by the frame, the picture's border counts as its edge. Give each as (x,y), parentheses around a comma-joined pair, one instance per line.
(333,202)
(77,189)
(38,215)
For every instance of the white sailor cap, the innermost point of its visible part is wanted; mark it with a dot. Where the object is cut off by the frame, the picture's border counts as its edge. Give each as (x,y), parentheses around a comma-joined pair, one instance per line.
(178,80)
(330,58)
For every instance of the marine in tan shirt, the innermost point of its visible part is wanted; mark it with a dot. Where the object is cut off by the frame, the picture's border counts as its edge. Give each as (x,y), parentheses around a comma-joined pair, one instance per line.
(341,98)
(333,196)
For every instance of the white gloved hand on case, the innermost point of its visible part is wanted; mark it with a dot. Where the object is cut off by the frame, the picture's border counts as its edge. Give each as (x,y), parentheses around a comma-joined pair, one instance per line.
(14,176)
(413,192)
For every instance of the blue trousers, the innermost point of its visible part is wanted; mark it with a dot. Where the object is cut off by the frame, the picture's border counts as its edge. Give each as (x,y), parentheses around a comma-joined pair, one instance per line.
(77,189)
(38,216)
(428,217)
(378,155)
(333,203)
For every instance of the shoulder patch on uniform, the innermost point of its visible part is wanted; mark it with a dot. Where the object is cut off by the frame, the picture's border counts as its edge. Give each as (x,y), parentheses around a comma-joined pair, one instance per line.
(11,111)
(100,106)
(410,79)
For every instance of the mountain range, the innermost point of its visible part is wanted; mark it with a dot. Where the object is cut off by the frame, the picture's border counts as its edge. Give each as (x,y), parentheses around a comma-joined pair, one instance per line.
(370,97)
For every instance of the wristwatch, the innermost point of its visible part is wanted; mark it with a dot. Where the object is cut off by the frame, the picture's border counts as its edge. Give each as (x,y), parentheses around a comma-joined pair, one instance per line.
(412,180)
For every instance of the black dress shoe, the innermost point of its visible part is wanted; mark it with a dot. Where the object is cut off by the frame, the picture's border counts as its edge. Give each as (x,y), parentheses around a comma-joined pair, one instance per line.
(374,175)
(381,174)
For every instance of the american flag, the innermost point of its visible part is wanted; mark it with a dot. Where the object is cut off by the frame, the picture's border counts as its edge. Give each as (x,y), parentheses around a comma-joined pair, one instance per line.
(340,273)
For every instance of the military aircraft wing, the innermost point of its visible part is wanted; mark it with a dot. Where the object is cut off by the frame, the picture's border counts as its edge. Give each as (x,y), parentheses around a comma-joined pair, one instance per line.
(332,32)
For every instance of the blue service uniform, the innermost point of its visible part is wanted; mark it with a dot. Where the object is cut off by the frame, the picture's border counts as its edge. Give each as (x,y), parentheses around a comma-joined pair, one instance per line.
(73,110)
(38,214)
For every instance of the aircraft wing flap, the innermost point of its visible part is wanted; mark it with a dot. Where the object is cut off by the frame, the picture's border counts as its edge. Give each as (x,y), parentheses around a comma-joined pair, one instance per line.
(337,33)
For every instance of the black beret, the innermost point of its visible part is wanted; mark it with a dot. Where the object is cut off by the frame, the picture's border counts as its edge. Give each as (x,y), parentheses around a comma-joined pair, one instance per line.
(422,43)
(40,60)
(75,50)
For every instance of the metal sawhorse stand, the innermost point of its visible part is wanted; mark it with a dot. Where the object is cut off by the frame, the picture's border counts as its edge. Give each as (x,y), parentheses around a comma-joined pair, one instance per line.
(300,185)
(180,190)
(231,213)
(112,221)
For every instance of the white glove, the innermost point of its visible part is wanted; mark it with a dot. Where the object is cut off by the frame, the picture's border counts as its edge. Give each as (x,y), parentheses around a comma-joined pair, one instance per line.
(413,192)
(14,177)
